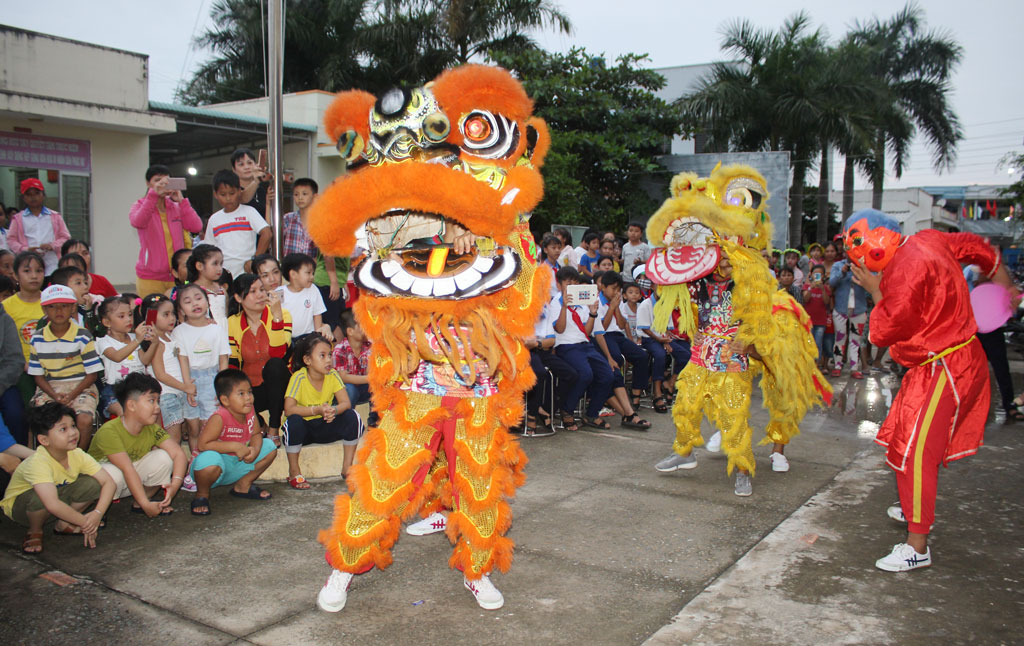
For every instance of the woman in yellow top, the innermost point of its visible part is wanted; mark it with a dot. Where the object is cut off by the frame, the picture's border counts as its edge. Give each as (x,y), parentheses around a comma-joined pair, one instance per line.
(316,406)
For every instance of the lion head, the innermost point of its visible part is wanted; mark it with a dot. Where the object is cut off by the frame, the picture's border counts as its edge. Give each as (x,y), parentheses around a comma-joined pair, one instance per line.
(443,178)
(689,229)
(456,158)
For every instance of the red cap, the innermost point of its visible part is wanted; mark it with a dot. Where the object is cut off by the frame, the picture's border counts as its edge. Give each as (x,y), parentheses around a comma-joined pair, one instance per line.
(31,182)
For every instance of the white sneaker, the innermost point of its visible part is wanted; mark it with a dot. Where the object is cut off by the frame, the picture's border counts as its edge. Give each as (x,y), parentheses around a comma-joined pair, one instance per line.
(188,484)
(896,513)
(903,558)
(432,524)
(714,445)
(334,594)
(779,463)
(486,594)
(606,412)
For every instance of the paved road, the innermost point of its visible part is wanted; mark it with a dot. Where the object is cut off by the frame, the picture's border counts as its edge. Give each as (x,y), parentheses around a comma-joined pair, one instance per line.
(608,552)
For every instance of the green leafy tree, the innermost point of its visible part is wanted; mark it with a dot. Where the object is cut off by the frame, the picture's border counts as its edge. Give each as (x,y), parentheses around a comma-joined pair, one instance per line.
(607,127)
(914,67)
(368,44)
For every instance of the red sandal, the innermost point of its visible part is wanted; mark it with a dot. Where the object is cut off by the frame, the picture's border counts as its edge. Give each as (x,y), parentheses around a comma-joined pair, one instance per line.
(298,482)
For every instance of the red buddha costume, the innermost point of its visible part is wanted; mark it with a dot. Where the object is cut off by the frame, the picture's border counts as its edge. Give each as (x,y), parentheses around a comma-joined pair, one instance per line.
(923,314)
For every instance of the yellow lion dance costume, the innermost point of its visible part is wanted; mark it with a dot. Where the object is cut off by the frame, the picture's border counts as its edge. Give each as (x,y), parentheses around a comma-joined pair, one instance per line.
(703,220)
(443,177)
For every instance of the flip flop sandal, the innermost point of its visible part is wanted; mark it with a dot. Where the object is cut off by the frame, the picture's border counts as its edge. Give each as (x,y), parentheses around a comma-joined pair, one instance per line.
(298,482)
(253,494)
(569,423)
(596,422)
(199,501)
(634,421)
(32,540)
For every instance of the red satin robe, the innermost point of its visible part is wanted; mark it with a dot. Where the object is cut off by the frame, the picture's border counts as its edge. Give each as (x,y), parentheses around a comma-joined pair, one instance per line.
(926,309)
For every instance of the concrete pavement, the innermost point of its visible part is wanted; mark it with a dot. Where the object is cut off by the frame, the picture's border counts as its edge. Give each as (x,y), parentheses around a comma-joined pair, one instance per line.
(608,552)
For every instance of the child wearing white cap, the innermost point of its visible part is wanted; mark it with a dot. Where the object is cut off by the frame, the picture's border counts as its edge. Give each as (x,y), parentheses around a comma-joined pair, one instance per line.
(63,360)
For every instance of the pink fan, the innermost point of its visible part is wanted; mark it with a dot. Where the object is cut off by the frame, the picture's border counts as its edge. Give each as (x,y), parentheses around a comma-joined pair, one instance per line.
(991,304)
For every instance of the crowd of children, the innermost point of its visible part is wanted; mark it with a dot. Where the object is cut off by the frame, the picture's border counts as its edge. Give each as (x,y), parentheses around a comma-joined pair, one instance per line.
(218,333)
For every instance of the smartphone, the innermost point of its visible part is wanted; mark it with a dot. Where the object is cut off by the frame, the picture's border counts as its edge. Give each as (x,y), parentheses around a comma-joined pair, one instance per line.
(581,294)
(261,161)
(176,184)
(151,316)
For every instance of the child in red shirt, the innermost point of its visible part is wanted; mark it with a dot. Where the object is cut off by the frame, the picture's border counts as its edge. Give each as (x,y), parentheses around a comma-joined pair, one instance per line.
(817,297)
(232,447)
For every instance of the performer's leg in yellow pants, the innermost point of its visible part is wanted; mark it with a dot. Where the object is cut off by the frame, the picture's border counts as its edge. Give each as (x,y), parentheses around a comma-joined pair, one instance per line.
(402,469)
(724,397)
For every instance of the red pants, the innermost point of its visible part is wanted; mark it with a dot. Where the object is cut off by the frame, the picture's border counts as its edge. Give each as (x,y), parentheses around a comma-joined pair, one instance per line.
(927,445)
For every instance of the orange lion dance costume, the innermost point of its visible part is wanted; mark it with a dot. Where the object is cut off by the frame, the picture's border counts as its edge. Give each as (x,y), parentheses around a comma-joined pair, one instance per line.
(444,178)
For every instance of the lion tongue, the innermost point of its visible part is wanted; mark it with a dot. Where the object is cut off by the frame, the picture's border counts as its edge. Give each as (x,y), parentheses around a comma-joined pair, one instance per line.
(435,265)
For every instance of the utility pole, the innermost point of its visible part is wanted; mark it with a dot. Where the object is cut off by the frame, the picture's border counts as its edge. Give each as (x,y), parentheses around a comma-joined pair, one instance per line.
(275,136)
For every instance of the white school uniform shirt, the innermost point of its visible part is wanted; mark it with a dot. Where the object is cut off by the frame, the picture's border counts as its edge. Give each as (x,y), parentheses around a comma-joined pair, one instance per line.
(235,234)
(572,334)
(203,345)
(630,316)
(645,314)
(567,258)
(544,327)
(303,306)
(602,309)
(115,371)
(172,366)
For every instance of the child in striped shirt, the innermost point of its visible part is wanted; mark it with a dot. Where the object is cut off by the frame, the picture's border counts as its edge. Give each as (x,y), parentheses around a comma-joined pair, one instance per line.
(63,361)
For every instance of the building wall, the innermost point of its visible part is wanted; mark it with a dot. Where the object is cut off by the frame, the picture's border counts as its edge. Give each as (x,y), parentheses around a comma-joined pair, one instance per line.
(911,206)
(305,108)
(119,162)
(72,70)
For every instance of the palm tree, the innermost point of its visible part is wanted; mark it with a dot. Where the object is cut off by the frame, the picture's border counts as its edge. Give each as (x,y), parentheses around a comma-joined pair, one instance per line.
(369,44)
(781,95)
(914,67)
(471,28)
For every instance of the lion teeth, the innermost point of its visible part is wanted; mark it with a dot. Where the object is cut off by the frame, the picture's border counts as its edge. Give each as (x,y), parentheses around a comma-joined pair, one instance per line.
(444,286)
(422,286)
(483,265)
(403,281)
(390,268)
(467,278)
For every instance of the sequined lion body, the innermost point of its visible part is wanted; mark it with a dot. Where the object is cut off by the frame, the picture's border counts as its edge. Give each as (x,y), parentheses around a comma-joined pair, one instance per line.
(443,178)
(703,220)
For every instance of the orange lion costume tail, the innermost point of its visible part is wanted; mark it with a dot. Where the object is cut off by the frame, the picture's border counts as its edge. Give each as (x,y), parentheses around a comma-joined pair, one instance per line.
(443,178)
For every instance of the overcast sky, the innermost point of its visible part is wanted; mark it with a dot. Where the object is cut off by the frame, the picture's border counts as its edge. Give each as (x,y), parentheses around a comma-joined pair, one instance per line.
(988,91)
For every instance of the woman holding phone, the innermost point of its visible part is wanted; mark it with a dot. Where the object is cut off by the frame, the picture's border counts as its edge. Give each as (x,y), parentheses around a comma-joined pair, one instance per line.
(161,218)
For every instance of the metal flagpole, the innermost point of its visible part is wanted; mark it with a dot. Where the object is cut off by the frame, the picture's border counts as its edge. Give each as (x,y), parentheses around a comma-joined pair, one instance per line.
(275,136)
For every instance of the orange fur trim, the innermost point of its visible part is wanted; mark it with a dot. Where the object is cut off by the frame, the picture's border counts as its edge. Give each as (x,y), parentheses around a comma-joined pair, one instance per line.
(501,484)
(429,188)
(349,111)
(540,150)
(480,87)
(380,539)
(500,558)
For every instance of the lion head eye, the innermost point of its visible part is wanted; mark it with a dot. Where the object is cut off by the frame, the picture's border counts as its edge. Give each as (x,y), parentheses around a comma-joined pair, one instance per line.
(488,135)
(744,192)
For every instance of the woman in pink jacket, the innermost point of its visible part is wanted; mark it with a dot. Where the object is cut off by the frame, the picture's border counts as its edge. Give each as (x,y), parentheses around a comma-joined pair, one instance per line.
(161,217)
